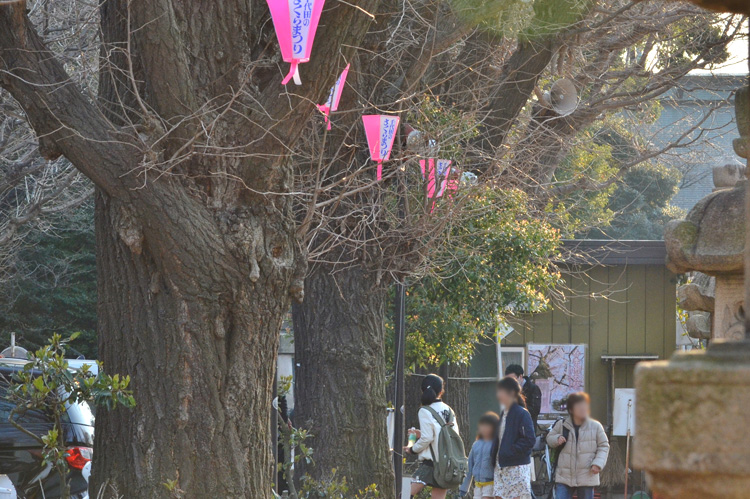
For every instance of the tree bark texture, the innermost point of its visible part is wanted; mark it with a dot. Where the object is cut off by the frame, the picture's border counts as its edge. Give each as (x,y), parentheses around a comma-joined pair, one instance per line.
(198,256)
(201,356)
(339,340)
(519,77)
(457,396)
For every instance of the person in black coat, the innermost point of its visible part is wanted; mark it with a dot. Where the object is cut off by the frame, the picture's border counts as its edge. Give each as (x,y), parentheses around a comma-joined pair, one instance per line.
(511,449)
(531,391)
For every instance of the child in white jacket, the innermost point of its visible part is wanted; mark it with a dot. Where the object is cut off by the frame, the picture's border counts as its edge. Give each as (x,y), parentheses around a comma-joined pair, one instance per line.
(584,450)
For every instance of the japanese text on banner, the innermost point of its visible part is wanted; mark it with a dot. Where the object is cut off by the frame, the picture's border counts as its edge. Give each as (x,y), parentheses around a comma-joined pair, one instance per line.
(387,133)
(332,94)
(301,14)
(442,166)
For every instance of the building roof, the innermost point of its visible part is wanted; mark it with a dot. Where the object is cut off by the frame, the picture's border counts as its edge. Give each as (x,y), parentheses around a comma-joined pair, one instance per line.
(605,252)
(704,90)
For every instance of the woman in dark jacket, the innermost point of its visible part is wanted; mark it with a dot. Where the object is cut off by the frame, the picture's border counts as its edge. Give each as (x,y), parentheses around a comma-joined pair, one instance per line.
(511,450)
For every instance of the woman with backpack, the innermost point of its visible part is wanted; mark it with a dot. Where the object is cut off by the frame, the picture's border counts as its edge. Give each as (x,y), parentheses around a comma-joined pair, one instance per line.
(584,450)
(431,413)
(515,438)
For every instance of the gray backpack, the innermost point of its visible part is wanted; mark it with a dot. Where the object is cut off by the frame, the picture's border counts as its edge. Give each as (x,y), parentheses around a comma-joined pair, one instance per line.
(451,466)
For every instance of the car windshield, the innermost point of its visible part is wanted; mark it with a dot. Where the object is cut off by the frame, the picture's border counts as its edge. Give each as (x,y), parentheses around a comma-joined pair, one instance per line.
(79,413)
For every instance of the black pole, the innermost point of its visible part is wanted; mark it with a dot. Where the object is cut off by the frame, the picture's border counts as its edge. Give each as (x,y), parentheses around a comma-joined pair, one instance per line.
(743,99)
(398,424)
(398,364)
(275,431)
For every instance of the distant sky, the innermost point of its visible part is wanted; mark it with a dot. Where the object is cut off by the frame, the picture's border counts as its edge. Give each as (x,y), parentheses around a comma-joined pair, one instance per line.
(737,63)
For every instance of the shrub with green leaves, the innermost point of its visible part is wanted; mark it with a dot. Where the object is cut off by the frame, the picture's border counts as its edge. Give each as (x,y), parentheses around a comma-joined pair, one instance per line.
(497,260)
(48,384)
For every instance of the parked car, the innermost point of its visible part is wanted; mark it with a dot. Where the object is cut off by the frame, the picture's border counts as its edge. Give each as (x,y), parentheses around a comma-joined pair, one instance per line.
(79,363)
(21,455)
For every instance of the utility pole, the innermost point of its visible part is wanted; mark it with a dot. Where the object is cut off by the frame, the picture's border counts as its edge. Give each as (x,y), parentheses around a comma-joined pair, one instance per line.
(398,414)
(399,353)
(742,148)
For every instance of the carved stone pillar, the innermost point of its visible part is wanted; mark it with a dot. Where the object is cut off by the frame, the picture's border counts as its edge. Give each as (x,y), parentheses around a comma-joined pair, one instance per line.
(693,424)
(693,411)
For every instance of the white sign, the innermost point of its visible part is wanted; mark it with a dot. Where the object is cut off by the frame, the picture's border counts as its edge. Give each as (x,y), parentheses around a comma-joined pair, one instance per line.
(624,412)
(390,422)
(503,329)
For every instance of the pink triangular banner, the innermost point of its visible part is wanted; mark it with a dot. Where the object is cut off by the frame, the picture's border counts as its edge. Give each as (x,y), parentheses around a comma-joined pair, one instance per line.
(295,22)
(381,131)
(435,173)
(334,96)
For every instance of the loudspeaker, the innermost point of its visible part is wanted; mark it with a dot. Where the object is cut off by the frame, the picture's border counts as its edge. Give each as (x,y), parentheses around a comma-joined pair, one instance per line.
(562,97)
(469,178)
(417,142)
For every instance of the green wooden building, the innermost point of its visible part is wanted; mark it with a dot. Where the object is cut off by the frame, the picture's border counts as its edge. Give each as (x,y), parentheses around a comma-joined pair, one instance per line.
(620,303)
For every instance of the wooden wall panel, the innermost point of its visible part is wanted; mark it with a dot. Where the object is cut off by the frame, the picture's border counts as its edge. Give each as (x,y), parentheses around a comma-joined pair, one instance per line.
(614,310)
(599,340)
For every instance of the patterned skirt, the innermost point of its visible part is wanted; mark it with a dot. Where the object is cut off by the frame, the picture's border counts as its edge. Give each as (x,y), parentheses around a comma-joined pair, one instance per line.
(513,482)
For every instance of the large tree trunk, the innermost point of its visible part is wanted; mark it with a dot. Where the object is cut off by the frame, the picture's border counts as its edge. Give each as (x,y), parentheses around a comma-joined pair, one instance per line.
(197,248)
(201,356)
(339,339)
(457,396)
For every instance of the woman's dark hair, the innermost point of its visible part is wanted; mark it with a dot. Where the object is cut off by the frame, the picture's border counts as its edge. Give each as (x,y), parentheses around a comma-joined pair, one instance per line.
(488,418)
(432,389)
(509,384)
(576,398)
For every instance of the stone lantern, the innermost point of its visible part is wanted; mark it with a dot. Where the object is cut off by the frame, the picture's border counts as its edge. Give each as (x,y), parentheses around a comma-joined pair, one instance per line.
(711,240)
(693,411)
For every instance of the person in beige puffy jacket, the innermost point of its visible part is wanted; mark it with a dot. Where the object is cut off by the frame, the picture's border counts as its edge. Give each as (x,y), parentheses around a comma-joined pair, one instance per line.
(584,452)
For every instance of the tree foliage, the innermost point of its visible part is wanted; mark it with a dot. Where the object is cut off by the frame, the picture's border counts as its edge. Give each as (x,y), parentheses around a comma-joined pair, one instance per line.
(54,287)
(497,260)
(635,206)
(640,204)
(583,208)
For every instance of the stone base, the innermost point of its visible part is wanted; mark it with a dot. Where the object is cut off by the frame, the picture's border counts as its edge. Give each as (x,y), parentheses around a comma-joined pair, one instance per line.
(698,486)
(693,423)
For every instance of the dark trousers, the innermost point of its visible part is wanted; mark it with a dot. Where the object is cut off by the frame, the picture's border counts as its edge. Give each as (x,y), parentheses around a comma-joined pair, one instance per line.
(565,492)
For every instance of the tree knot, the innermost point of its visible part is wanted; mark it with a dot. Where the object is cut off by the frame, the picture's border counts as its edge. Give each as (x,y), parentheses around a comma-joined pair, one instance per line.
(48,148)
(129,230)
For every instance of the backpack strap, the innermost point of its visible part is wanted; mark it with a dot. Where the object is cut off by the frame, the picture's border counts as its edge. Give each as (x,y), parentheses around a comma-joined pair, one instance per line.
(436,415)
(565,431)
(559,449)
(442,424)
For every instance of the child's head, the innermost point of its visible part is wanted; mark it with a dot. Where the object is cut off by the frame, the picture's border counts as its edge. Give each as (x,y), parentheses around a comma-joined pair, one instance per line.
(579,405)
(432,389)
(487,426)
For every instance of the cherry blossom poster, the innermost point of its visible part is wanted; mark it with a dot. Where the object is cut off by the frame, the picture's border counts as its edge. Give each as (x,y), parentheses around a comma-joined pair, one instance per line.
(558,370)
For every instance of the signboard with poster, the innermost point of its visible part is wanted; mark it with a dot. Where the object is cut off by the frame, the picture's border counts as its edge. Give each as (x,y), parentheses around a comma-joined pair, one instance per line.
(558,370)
